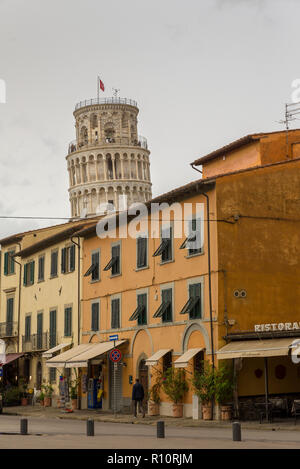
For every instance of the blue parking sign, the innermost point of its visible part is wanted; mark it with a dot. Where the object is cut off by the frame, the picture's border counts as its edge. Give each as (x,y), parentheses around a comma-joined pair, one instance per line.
(1,371)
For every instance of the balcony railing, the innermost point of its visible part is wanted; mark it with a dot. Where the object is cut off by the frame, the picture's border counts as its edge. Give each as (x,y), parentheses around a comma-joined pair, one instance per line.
(8,329)
(35,342)
(91,102)
(141,142)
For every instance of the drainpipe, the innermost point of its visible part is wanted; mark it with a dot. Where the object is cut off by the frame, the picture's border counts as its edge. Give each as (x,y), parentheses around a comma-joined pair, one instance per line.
(19,302)
(209,274)
(78,288)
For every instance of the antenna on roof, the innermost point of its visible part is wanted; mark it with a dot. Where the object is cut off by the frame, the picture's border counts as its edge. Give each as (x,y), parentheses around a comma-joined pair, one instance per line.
(291,110)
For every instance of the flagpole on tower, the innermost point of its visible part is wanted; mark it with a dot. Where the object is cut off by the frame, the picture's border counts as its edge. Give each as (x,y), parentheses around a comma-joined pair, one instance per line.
(98,86)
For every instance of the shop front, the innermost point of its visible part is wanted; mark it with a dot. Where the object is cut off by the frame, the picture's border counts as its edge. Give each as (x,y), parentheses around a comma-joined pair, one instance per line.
(267,373)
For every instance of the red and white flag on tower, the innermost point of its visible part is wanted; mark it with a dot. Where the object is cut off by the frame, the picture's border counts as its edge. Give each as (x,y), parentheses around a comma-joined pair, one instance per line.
(101,85)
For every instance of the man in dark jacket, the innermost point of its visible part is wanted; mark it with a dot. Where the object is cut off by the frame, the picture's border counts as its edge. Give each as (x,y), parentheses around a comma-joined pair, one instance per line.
(137,398)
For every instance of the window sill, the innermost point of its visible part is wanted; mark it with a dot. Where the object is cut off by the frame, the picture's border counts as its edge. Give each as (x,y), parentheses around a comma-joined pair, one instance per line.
(142,268)
(94,281)
(115,275)
(189,256)
(167,262)
(53,276)
(10,274)
(41,281)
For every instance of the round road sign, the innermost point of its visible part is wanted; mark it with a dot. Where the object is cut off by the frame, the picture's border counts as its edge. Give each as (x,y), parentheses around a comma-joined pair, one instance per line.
(115,355)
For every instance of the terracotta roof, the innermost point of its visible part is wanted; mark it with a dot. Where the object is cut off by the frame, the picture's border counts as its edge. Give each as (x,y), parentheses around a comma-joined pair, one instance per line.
(251,138)
(54,239)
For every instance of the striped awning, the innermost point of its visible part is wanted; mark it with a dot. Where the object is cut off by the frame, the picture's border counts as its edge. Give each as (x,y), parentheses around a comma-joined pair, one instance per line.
(256,348)
(57,348)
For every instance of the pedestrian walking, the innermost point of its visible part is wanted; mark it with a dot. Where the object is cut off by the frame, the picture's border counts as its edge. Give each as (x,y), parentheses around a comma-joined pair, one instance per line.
(138,397)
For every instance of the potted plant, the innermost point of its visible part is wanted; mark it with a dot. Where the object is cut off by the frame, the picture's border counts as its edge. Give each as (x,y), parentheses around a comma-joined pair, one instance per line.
(175,386)
(204,386)
(23,392)
(41,398)
(154,398)
(224,391)
(48,391)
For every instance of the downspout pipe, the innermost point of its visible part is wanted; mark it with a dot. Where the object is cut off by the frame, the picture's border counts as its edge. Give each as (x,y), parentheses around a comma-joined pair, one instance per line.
(209,274)
(78,288)
(19,302)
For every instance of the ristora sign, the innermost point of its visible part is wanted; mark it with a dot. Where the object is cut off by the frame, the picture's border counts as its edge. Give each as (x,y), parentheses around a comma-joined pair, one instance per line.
(281,326)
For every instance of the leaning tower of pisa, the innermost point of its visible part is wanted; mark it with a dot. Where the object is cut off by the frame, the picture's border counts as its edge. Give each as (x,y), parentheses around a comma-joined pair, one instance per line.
(108,160)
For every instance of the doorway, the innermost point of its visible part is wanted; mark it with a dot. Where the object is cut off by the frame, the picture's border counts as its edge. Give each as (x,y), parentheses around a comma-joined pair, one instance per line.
(38,376)
(143,377)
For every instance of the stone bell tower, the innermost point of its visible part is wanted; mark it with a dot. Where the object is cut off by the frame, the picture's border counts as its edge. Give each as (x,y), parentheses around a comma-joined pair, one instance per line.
(108,159)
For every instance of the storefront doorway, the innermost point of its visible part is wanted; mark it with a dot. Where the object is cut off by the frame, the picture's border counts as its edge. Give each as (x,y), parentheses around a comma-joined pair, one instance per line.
(143,377)
(39,376)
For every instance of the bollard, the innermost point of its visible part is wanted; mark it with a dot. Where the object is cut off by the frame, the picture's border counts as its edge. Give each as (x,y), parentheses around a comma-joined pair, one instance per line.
(90,427)
(24,426)
(236,431)
(160,429)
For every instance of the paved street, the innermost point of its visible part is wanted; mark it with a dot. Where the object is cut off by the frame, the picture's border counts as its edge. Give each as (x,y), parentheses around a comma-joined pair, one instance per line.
(58,433)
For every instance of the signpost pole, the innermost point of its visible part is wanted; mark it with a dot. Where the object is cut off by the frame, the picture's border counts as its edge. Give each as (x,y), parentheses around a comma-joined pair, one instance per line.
(115,388)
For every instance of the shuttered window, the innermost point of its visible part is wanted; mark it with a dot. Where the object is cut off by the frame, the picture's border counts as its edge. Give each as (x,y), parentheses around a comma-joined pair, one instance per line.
(95,317)
(41,273)
(142,253)
(68,259)
(9,265)
(52,328)
(96,264)
(68,322)
(27,328)
(195,294)
(28,278)
(115,313)
(54,259)
(39,329)
(52,375)
(9,316)
(142,301)
(166,296)
(165,249)
(115,252)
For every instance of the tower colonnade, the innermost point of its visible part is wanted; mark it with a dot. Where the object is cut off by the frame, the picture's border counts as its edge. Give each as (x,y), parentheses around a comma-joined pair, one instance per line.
(108,158)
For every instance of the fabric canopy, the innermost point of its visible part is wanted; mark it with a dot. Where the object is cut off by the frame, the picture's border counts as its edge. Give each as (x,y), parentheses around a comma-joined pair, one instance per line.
(157,356)
(10,357)
(95,350)
(78,356)
(51,351)
(60,360)
(256,348)
(182,361)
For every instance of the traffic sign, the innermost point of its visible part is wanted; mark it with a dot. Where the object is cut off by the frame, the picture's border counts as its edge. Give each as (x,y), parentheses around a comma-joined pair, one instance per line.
(115,355)
(113,337)
(1,371)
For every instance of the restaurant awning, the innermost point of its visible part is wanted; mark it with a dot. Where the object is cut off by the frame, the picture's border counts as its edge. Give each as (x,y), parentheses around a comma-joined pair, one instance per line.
(255,348)
(10,357)
(78,356)
(51,351)
(183,361)
(157,356)
(95,350)
(60,360)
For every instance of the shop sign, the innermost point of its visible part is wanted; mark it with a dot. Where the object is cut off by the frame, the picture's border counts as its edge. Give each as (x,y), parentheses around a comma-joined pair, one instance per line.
(281,326)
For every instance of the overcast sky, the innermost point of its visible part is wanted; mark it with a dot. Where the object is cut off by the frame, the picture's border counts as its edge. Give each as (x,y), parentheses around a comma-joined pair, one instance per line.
(203,73)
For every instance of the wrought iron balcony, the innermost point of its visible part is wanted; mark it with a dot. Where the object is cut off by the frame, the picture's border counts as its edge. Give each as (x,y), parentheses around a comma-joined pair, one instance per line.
(93,101)
(141,142)
(35,342)
(8,329)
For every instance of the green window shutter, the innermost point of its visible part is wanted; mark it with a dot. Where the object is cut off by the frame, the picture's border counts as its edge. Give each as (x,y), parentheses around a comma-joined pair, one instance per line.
(95,317)
(115,252)
(25,275)
(32,272)
(12,263)
(27,328)
(96,262)
(6,263)
(167,297)
(39,327)
(52,328)
(115,314)
(195,291)
(141,252)
(142,301)
(63,260)
(54,264)
(9,309)
(68,322)
(72,258)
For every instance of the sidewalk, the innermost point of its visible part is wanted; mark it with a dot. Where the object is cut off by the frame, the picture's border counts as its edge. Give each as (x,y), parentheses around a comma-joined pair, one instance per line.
(102,416)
